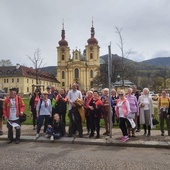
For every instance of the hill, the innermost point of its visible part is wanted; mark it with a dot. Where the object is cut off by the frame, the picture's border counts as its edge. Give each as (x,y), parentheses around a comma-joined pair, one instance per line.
(160,61)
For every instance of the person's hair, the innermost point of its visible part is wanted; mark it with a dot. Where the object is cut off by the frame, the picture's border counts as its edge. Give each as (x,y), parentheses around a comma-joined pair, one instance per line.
(90,92)
(96,92)
(146,90)
(105,89)
(130,89)
(121,91)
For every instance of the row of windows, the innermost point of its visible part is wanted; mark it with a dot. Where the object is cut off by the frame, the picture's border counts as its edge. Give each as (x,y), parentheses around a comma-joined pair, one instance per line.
(76,57)
(12,80)
(76,73)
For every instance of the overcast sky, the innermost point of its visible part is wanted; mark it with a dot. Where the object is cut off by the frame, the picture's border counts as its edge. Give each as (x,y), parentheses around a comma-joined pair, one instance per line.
(26,25)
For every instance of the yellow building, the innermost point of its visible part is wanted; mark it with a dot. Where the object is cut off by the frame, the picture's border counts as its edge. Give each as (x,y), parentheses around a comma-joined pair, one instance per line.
(24,78)
(80,68)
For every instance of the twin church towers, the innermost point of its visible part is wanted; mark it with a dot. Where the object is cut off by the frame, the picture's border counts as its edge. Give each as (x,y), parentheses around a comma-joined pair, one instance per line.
(80,67)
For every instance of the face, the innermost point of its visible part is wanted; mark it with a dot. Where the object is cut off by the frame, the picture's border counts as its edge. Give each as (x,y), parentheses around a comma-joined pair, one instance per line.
(12,93)
(48,90)
(45,95)
(145,91)
(113,92)
(163,93)
(121,95)
(62,91)
(89,94)
(129,91)
(105,92)
(95,95)
(56,117)
(74,87)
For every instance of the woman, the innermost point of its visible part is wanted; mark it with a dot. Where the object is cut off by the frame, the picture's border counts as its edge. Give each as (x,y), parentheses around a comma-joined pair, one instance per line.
(105,110)
(86,109)
(122,110)
(146,111)
(33,104)
(44,112)
(95,107)
(61,105)
(133,108)
(163,106)
(114,98)
(56,128)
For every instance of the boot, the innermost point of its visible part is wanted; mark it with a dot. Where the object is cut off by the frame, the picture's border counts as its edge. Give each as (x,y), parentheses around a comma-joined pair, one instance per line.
(144,127)
(149,130)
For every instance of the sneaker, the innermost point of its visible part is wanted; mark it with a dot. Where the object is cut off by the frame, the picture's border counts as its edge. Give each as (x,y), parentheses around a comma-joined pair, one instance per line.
(17,141)
(52,138)
(37,136)
(162,134)
(125,139)
(91,135)
(106,133)
(137,130)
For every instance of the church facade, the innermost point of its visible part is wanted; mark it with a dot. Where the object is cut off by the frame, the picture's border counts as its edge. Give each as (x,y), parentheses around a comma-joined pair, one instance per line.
(80,67)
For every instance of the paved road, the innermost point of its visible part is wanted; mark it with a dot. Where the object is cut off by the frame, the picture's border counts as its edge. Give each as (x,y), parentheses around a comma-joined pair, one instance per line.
(30,156)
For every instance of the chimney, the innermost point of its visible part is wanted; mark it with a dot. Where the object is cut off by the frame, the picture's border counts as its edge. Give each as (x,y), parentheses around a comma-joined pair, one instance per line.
(17,66)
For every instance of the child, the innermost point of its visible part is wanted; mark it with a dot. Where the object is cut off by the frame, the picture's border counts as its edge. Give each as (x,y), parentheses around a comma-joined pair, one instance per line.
(56,129)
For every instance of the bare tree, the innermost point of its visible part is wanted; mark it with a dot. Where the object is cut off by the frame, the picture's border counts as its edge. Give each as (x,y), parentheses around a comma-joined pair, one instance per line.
(37,63)
(5,63)
(124,55)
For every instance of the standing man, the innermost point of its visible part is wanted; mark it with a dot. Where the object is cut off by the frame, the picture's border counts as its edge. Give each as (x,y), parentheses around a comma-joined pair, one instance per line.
(13,108)
(73,95)
(2,99)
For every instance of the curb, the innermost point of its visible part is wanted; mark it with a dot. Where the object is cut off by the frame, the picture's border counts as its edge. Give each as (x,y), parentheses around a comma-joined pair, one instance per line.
(101,142)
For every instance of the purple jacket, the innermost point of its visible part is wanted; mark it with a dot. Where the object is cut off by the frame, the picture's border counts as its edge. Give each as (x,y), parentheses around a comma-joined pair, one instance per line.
(133,103)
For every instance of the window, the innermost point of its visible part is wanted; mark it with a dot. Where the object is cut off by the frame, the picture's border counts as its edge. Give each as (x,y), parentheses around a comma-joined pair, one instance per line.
(62,57)
(91,83)
(17,80)
(91,73)
(76,73)
(12,80)
(63,84)
(32,81)
(76,56)
(27,80)
(4,80)
(91,55)
(8,71)
(63,75)
(27,89)
(7,80)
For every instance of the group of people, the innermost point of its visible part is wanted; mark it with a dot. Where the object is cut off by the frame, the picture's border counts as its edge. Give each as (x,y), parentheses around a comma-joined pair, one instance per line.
(49,108)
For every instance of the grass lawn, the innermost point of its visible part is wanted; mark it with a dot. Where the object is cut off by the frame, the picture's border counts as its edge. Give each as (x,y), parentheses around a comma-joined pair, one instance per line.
(29,117)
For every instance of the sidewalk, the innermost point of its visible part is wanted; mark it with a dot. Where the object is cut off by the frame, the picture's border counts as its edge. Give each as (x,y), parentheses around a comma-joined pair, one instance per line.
(154,141)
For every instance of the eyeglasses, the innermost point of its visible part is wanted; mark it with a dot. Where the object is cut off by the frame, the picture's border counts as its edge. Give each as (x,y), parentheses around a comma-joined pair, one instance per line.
(45,94)
(120,94)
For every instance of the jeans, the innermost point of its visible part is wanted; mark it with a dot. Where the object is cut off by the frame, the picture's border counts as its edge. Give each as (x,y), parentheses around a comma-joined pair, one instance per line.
(40,122)
(51,131)
(163,116)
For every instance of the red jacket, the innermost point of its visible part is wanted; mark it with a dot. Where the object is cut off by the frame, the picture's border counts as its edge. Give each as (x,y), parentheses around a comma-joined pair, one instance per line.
(20,106)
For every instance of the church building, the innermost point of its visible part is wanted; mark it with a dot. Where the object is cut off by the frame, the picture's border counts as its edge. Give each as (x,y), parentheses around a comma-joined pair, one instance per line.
(80,67)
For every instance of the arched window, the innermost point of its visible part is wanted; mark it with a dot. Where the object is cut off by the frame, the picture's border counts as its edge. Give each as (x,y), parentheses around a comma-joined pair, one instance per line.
(63,84)
(91,73)
(63,75)
(91,83)
(62,57)
(76,73)
(76,56)
(91,55)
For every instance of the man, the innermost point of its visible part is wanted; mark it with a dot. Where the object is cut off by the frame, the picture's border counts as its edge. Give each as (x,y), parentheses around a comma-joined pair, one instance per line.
(2,99)
(13,108)
(75,119)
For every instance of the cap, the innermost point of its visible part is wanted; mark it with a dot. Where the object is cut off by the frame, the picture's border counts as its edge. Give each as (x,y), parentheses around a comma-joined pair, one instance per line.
(13,89)
(48,87)
(44,92)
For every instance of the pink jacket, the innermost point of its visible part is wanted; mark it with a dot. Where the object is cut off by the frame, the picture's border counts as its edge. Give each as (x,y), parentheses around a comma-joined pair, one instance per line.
(125,109)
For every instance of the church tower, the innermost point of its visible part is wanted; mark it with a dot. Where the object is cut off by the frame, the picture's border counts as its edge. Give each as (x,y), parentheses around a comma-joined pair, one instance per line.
(92,57)
(63,53)
(80,68)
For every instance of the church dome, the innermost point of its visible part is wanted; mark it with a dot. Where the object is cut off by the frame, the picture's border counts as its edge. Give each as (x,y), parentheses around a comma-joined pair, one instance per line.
(92,40)
(63,43)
